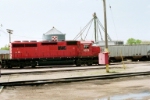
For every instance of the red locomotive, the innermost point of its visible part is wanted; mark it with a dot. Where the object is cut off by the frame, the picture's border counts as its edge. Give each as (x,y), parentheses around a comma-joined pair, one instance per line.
(35,53)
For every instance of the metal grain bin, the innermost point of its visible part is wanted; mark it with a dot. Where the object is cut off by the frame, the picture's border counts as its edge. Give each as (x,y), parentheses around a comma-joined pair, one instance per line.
(54,35)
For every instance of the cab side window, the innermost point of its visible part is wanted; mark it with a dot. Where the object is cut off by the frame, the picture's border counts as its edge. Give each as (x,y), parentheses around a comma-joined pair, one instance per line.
(86,46)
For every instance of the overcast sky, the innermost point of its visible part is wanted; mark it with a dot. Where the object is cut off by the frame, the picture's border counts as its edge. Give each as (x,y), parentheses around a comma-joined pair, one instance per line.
(31,18)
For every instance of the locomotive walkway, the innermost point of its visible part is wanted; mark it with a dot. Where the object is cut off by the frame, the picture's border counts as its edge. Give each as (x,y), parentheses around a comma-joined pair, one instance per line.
(143,67)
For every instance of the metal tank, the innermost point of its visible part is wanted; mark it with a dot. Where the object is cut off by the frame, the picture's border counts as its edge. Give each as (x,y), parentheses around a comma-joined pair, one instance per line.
(54,35)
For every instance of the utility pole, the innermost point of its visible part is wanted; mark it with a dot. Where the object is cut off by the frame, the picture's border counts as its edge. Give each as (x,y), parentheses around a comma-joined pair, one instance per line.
(10,32)
(95,28)
(105,27)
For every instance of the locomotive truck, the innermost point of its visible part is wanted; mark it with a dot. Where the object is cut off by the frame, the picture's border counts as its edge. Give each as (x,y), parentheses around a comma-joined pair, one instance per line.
(33,53)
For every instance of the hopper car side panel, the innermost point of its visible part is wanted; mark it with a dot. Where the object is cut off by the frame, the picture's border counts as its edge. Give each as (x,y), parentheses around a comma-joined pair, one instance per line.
(134,52)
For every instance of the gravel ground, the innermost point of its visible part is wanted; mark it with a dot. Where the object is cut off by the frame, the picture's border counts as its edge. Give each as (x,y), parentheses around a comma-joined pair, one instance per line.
(65,74)
(136,88)
(89,90)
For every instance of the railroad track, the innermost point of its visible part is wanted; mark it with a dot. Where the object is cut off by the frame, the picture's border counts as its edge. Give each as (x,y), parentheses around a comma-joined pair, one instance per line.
(59,69)
(52,70)
(72,79)
(55,70)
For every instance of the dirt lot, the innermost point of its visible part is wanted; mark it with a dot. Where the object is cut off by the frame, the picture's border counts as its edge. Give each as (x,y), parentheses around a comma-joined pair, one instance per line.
(89,90)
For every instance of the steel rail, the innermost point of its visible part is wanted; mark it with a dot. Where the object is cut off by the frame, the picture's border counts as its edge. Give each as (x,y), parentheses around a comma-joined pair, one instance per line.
(72,79)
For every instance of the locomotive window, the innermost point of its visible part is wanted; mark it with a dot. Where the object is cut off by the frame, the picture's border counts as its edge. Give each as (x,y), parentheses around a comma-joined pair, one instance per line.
(71,42)
(17,45)
(30,45)
(49,43)
(86,46)
(61,47)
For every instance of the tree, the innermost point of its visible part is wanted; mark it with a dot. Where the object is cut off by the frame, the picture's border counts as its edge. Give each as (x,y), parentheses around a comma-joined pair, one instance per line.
(6,47)
(132,41)
(138,41)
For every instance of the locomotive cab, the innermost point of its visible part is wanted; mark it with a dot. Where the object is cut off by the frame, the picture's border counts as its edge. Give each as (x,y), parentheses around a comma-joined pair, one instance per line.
(85,49)
(87,54)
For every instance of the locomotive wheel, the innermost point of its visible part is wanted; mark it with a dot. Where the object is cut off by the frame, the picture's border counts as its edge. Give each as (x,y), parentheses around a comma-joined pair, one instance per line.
(21,67)
(78,62)
(33,66)
(9,66)
(89,63)
(2,66)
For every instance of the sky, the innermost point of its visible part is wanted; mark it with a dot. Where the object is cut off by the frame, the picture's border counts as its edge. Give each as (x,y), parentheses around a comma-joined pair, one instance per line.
(30,19)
